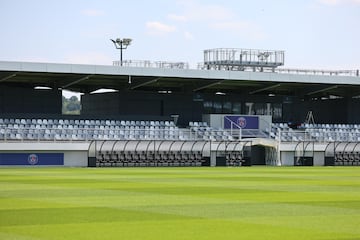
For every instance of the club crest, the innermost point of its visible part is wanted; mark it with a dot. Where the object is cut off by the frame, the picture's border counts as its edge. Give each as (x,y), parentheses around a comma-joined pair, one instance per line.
(33,159)
(241,122)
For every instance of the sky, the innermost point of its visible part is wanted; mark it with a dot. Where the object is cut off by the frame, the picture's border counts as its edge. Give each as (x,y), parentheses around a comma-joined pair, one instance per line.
(315,34)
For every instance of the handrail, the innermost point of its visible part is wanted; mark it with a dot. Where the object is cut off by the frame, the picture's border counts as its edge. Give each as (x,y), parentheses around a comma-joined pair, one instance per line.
(353,73)
(232,123)
(298,71)
(203,66)
(152,64)
(318,135)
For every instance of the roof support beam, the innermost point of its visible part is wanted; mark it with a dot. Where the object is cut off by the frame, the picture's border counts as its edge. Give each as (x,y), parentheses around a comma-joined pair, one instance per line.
(208,85)
(145,83)
(8,77)
(322,90)
(76,81)
(265,88)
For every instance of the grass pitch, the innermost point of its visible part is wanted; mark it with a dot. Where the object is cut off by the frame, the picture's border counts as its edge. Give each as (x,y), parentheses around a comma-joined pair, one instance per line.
(180,203)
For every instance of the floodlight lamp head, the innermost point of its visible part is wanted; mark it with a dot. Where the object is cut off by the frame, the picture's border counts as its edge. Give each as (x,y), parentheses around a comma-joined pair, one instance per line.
(127,41)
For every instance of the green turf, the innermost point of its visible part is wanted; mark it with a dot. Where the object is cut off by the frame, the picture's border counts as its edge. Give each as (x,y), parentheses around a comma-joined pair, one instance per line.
(180,203)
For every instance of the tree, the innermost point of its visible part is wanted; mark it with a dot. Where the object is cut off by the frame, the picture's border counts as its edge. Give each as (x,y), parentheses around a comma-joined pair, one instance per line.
(71,105)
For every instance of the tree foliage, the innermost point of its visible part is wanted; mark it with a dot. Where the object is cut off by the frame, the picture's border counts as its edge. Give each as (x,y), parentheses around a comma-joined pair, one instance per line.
(71,106)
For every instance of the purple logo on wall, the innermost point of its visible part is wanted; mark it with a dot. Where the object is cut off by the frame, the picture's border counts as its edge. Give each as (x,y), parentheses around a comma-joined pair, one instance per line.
(33,159)
(241,122)
(244,122)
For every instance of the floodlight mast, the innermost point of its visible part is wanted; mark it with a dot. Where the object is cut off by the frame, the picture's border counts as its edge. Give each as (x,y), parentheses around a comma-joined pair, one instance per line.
(121,44)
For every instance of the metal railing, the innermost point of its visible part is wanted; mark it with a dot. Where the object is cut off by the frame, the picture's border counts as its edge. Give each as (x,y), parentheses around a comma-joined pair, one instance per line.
(244,57)
(319,72)
(352,73)
(316,135)
(202,66)
(151,64)
(10,134)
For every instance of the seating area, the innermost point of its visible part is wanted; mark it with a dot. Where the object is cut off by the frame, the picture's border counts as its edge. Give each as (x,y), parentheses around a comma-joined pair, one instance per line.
(13,129)
(150,153)
(334,132)
(83,130)
(317,132)
(234,158)
(201,130)
(149,158)
(347,158)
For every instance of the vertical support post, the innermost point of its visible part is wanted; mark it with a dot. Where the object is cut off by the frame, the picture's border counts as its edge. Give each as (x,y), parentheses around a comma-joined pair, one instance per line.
(212,156)
(121,57)
(278,160)
(270,128)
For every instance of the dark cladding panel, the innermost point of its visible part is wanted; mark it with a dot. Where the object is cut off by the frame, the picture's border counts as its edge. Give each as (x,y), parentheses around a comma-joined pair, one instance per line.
(187,109)
(28,100)
(120,104)
(329,111)
(143,104)
(140,107)
(100,103)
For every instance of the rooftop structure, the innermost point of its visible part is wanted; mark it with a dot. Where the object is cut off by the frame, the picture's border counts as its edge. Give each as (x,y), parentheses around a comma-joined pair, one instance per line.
(241,59)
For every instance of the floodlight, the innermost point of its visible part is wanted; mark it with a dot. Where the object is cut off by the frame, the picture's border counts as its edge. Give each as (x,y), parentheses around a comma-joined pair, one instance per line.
(127,41)
(121,44)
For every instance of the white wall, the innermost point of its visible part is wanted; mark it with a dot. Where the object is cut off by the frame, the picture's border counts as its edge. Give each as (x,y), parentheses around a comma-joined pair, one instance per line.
(319,158)
(287,158)
(75,153)
(76,159)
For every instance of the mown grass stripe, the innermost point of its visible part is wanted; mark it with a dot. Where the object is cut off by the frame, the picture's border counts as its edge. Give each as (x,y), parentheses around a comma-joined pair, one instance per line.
(180,203)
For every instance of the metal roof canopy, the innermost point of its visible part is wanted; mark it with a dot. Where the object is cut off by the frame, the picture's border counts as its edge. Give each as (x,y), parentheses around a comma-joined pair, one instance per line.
(88,78)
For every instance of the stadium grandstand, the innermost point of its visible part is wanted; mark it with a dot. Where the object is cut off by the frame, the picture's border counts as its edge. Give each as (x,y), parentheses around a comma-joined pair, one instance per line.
(240,107)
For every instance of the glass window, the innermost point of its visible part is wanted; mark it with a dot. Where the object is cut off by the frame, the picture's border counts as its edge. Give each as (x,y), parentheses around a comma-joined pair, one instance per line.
(260,109)
(208,106)
(217,107)
(227,107)
(277,111)
(236,108)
